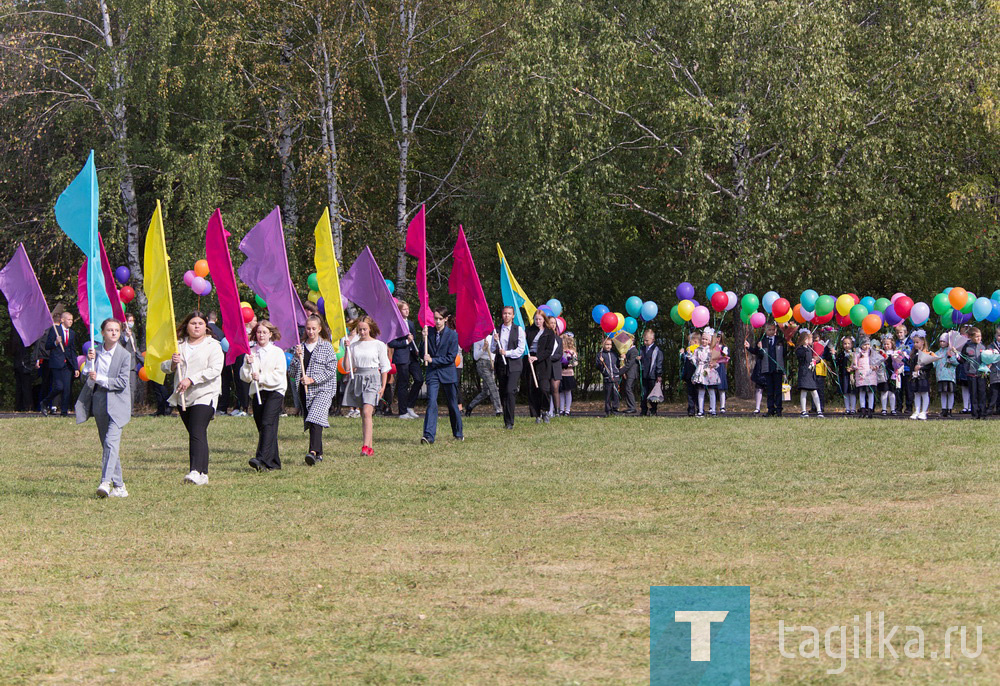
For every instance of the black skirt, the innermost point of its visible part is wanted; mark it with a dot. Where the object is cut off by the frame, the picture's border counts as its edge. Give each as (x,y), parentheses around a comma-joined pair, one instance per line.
(946,386)
(568,384)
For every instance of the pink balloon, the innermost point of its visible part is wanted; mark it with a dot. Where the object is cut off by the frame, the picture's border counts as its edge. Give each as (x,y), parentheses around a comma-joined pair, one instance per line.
(732,300)
(757,320)
(699,317)
(198,285)
(895,296)
(561,325)
(189,276)
(807,315)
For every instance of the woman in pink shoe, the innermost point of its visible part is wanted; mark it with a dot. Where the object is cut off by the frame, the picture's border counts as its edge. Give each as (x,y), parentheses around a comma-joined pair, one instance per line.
(367,366)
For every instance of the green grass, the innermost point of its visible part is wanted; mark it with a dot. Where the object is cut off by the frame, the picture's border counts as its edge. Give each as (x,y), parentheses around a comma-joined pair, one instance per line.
(512,558)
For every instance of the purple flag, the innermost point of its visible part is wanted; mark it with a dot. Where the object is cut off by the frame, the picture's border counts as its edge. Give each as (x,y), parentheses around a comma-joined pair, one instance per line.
(364,286)
(266,272)
(28,311)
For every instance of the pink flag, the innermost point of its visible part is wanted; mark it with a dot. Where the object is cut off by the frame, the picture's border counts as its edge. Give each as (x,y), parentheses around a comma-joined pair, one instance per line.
(82,305)
(416,245)
(473,320)
(220,265)
(109,284)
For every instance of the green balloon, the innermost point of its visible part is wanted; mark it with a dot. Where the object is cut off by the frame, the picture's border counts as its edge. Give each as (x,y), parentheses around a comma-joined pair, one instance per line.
(313,282)
(745,317)
(882,303)
(946,320)
(970,300)
(858,314)
(941,304)
(825,305)
(260,301)
(750,303)
(675,316)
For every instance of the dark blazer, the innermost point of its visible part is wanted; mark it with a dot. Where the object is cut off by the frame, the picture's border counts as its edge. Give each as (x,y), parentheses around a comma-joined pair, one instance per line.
(401,348)
(652,362)
(630,367)
(807,376)
(512,365)
(58,358)
(546,351)
(607,364)
(771,353)
(443,349)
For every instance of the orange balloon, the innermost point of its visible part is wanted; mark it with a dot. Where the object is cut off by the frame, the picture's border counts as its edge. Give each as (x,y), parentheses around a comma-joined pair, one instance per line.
(142,373)
(458,359)
(201,268)
(957,297)
(340,366)
(871,324)
(797,313)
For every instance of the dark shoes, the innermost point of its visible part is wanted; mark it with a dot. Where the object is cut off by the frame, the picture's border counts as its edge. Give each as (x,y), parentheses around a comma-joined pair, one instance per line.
(313,458)
(254,464)
(468,412)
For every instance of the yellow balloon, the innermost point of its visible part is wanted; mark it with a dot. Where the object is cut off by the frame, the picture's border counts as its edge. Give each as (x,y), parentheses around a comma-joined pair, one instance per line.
(844,304)
(245,304)
(684,309)
(785,317)
(313,296)
(621,322)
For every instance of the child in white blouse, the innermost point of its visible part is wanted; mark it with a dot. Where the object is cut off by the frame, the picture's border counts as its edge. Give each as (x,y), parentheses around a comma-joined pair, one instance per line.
(266,372)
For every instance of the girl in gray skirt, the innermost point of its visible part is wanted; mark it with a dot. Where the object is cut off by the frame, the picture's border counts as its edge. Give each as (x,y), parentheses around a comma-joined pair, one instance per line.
(367,368)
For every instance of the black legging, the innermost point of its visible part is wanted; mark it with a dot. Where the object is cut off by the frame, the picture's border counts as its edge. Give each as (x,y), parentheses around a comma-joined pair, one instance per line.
(315,430)
(265,416)
(196,419)
(242,387)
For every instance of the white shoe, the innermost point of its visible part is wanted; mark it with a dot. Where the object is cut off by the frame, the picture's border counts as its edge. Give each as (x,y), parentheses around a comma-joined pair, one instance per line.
(915,415)
(922,415)
(202,479)
(119,492)
(104,490)
(191,478)
(405,416)
(413,415)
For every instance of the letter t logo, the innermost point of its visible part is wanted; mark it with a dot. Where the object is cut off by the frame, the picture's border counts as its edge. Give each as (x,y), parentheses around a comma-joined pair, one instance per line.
(701,631)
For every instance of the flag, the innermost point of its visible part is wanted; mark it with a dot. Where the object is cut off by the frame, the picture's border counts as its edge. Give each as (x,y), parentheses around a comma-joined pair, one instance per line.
(266,272)
(473,320)
(416,245)
(364,285)
(161,329)
(220,265)
(76,214)
(29,312)
(329,281)
(109,287)
(512,293)
(107,302)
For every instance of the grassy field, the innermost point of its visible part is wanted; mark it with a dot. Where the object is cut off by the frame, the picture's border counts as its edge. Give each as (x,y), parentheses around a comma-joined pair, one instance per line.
(512,558)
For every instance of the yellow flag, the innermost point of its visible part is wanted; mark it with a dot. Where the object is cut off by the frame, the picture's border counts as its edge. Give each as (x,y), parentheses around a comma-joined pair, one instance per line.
(529,308)
(161,330)
(329,281)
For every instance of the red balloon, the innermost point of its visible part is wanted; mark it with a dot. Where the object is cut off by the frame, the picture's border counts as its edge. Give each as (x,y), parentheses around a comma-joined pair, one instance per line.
(857,300)
(247,315)
(843,321)
(825,319)
(780,307)
(903,305)
(126,294)
(392,369)
(609,322)
(719,301)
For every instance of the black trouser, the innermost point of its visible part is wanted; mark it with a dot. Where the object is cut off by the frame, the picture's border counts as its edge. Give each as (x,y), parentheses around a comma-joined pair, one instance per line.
(646,407)
(196,419)
(45,374)
(993,407)
(315,438)
(822,393)
(507,385)
(229,372)
(62,386)
(242,387)
(977,395)
(539,392)
(265,416)
(162,393)
(403,387)
(692,396)
(23,397)
(610,397)
(772,386)
(904,393)
(628,390)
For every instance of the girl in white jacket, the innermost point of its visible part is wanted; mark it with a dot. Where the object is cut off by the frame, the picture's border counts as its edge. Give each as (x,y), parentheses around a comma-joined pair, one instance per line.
(266,372)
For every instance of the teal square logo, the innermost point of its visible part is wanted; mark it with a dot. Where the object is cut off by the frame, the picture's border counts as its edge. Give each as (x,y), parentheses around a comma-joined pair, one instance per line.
(699,635)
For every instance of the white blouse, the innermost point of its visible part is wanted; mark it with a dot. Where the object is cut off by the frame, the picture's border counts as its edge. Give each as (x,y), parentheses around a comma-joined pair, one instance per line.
(272,368)
(368,355)
(202,364)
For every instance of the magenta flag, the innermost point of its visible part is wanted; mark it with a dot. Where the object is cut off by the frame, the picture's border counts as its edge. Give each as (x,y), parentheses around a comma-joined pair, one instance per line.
(416,245)
(220,266)
(29,312)
(109,284)
(82,305)
(266,271)
(473,320)
(364,285)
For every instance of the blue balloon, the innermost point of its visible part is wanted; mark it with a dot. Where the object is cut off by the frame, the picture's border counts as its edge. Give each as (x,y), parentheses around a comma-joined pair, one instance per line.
(546,310)
(391,286)
(631,325)
(868,302)
(555,306)
(891,318)
(768,300)
(321,304)
(288,358)
(598,312)
(808,300)
(86,347)
(225,345)
(947,290)
(996,295)
(685,291)
(633,305)
(712,289)
(995,313)
(649,311)
(982,308)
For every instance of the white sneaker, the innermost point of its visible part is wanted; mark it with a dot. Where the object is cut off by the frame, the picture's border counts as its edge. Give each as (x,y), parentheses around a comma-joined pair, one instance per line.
(104,490)
(119,492)
(915,415)
(922,415)
(191,478)
(413,415)
(406,416)
(202,479)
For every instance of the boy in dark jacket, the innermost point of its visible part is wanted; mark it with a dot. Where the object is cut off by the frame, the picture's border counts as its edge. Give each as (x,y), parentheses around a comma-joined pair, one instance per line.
(607,363)
(651,361)
(630,374)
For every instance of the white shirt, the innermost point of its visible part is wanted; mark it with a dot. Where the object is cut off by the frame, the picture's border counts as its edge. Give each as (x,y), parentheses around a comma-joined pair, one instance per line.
(481,349)
(103,366)
(310,346)
(514,353)
(371,354)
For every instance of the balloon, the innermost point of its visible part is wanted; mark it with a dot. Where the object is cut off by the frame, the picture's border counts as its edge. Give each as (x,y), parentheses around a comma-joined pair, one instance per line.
(598,312)
(260,301)
(189,277)
(757,320)
(882,303)
(808,299)
(996,295)
(458,359)
(675,316)
(745,317)
(957,297)
(391,286)
(780,307)
(86,347)
(201,268)
(903,305)
(855,298)
(556,307)
(719,301)
(313,296)
(609,322)
(546,310)
(700,316)
(891,318)
(633,305)
(821,319)
(288,357)
(313,282)
(947,290)
(970,300)
(649,311)
(80,359)
(919,313)
(244,303)
(126,294)
(198,284)
(768,300)
(960,317)
(995,314)
(631,325)
(247,314)
(749,303)
(340,365)
(825,305)
(123,274)
(207,290)
(784,318)
(844,305)
(321,304)
(868,302)
(941,303)
(797,313)
(560,325)
(981,309)
(858,314)
(684,309)
(843,321)
(807,315)
(225,345)
(712,289)
(695,302)
(946,320)
(621,321)
(685,291)
(871,323)
(732,300)
(142,373)
(895,296)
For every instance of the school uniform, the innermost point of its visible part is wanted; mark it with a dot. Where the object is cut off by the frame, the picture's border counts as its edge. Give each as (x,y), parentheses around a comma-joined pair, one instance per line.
(542,344)
(442,374)
(108,399)
(845,379)
(977,381)
(630,374)
(271,367)
(607,364)
(651,363)
(904,392)
(62,365)
(507,366)
(771,351)
(320,362)
(203,364)
(687,376)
